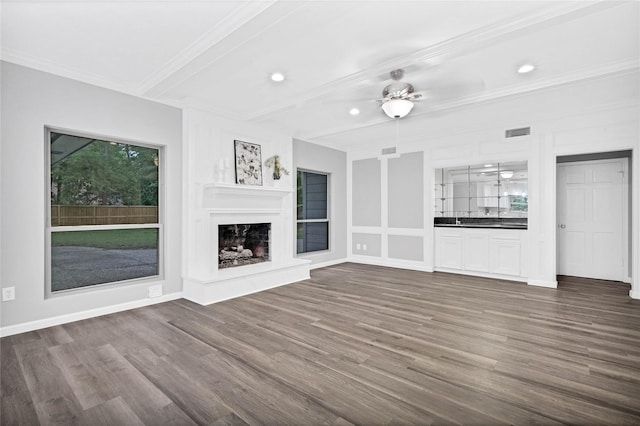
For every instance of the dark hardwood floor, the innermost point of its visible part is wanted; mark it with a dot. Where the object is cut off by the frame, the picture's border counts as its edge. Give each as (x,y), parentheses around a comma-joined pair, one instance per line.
(355,344)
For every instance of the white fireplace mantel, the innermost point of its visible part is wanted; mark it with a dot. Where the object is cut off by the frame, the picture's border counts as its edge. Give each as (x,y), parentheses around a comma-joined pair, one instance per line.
(220,204)
(243,198)
(248,190)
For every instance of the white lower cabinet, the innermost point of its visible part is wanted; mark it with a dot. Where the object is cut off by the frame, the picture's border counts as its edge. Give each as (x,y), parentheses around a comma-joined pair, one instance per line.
(475,250)
(486,252)
(505,256)
(449,251)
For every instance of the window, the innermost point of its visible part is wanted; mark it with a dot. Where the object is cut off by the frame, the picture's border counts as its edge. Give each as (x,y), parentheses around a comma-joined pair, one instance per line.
(104,222)
(313,219)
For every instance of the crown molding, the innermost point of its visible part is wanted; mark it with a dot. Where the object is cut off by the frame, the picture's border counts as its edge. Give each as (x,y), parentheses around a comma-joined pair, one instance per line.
(190,103)
(58,69)
(230,24)
(604,71)
(146,89)
(211,50)
(473,40)
(232,120)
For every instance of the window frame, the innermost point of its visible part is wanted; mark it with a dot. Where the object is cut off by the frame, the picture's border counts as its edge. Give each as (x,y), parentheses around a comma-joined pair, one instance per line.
(49,230)
(326,220)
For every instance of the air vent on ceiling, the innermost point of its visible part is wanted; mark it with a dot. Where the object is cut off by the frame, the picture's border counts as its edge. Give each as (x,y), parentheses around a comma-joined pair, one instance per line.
(387,151)
(512,133)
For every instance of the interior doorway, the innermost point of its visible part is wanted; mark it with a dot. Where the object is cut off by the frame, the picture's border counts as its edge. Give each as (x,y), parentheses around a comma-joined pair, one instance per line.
(593,220)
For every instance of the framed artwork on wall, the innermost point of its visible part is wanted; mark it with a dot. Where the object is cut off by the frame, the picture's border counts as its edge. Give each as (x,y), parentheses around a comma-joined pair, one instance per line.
(248,163)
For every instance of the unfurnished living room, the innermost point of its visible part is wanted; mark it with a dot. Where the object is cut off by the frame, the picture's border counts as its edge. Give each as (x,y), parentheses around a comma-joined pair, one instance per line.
(312,212)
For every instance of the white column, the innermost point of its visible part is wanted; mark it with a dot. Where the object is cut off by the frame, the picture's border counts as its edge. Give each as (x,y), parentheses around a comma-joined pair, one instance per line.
(542,212)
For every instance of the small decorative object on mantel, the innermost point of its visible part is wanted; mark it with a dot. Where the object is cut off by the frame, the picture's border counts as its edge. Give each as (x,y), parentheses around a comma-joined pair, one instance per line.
(248,163)
(224,171)
(278,170)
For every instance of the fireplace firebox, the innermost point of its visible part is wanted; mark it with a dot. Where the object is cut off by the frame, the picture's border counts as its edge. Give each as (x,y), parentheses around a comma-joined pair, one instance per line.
(243,244)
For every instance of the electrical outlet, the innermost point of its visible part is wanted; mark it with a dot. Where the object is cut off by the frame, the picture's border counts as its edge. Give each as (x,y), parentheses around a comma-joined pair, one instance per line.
(358,246)
(155,290)
(8,293)
(364,247)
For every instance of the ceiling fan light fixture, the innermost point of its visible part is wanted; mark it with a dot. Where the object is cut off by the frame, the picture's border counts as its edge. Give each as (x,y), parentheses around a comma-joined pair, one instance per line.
(397,108)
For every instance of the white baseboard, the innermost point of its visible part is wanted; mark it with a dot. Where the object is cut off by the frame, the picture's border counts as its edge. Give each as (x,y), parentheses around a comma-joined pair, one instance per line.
(543,283)
(329,263)
(77,316)
(483,274)
(634,294)
(400,264)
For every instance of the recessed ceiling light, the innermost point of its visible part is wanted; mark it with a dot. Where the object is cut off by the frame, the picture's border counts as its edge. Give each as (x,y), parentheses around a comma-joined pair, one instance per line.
(276,76)
(354,111)
(526,68)
(488,165)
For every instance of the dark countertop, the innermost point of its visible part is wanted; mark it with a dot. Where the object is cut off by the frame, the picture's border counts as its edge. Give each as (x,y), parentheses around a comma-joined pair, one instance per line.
(481,222)
(480,225)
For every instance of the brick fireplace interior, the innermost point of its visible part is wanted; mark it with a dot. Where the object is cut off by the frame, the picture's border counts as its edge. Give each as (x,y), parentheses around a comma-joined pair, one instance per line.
(243,244)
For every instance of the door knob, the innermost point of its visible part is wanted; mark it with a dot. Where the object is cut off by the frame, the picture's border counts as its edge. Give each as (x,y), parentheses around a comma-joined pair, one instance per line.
(562,225)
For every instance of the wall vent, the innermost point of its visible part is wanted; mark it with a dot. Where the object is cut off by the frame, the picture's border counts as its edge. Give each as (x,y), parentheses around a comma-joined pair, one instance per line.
(387,151)
(512,133)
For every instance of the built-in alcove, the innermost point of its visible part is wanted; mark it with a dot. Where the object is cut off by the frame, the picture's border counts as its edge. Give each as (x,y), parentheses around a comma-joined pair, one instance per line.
(243,244)
(490,190)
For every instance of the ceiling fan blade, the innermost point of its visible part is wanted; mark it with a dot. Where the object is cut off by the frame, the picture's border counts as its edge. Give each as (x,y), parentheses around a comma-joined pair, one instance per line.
(456,90)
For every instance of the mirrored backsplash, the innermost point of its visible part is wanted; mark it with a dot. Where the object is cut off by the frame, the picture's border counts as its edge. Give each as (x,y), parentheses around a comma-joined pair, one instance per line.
(483,190)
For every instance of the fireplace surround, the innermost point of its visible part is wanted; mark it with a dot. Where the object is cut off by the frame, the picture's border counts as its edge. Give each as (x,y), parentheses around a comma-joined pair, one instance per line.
(217,207)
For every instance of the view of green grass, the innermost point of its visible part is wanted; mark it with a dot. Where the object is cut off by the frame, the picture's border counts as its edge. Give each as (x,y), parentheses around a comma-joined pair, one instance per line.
(108,239)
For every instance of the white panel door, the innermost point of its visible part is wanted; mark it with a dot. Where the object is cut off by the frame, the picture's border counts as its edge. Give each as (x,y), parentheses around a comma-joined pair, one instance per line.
(591,218)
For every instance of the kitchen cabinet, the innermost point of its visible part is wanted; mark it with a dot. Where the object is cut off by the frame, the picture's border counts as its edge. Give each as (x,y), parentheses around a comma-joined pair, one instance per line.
(449,249)
(499,253)
(505,256)
(475,250)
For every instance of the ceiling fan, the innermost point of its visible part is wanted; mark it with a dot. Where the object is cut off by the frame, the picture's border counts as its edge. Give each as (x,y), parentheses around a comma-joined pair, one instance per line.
(398,97)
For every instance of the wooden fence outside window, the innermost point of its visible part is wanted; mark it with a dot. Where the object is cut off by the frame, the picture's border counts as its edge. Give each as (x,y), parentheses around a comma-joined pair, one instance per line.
(102,215)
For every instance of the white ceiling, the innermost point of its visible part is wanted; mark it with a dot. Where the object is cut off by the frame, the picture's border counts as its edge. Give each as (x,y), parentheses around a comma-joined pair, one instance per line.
(219,55)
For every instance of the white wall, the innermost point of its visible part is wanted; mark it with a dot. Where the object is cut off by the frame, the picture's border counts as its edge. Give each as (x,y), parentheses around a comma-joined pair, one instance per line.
(317,158)
(32,100)
(591,116)
(207,140)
